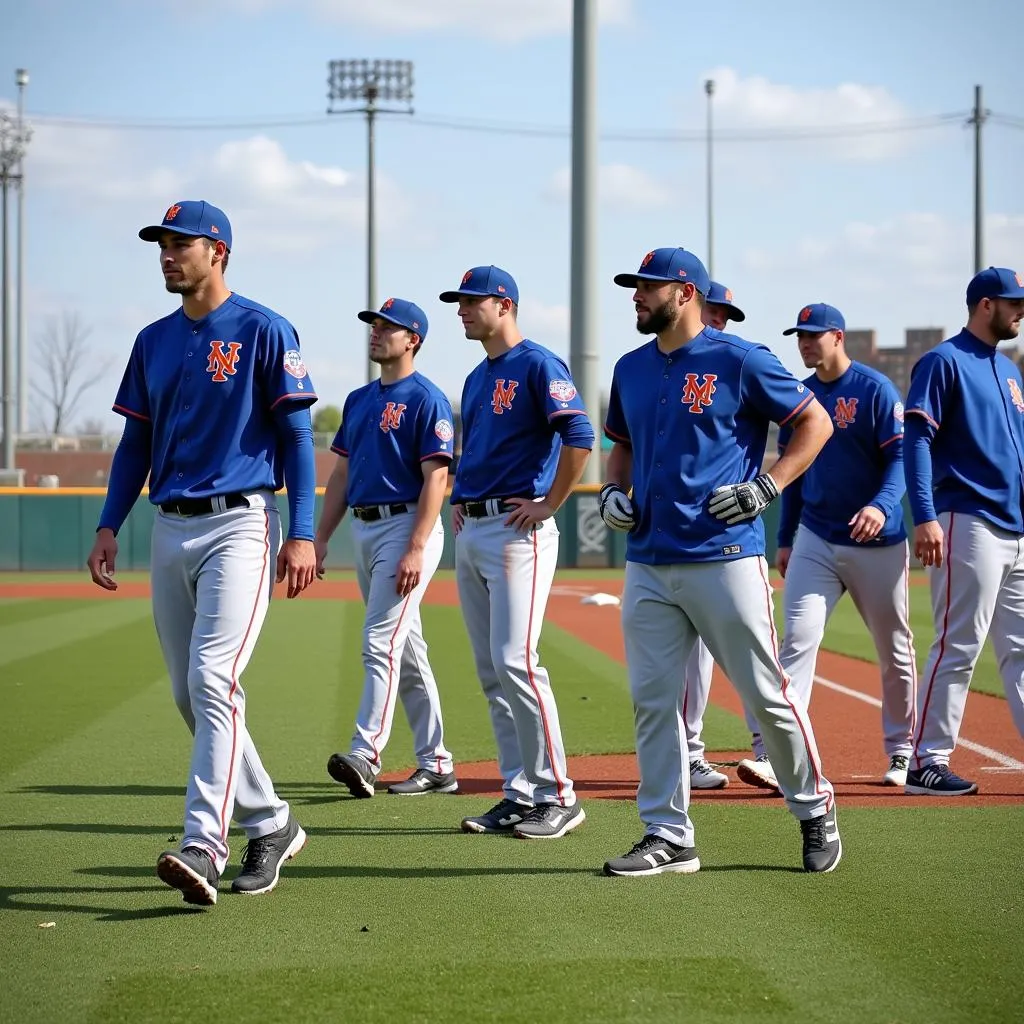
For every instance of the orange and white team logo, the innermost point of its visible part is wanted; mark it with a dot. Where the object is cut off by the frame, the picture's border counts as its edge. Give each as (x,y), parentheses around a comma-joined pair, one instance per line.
(223,357)
(502,397)
(391,417)
(805,314)
(1018,398)
(698,396)
(846,412)
(172,211)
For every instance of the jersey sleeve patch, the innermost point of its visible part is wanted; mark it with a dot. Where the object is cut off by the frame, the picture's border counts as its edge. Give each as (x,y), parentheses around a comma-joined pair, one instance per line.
(897,411)
(444,430)
(293,364)
(562,390)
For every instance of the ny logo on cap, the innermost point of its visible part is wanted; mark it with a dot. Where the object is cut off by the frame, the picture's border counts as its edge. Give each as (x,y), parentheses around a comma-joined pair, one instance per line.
(222,364)
(172,211)
(805,314)
(1020,280)
(697,396)
(647,259)
(466,276)
(846,412)
(728,295)
(388,303)
(391,417)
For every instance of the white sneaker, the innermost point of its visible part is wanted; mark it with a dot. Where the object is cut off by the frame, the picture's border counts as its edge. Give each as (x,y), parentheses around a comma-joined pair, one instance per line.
(758,773)
(703,776)
(896,775)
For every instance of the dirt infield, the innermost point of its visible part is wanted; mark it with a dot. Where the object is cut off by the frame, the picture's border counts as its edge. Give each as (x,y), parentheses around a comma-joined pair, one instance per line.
(847,721)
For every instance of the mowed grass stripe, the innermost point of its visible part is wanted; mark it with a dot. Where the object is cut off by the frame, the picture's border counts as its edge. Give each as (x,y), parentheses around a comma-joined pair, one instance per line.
(749,938)
(55,694)
(62,624)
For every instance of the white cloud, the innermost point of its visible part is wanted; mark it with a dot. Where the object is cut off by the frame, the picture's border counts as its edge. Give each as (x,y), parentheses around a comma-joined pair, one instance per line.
(755,102)
(619,187)
(549,325)
(500,20)
(272,196)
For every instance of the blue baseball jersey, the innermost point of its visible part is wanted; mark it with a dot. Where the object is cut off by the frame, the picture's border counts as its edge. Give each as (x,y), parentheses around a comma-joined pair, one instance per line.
(696,419)
(209,389)
(861,463)
(970,398)
(387,432)
(510,446)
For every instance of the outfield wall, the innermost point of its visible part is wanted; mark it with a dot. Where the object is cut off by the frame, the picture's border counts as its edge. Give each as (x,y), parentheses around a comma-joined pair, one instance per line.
(53,529)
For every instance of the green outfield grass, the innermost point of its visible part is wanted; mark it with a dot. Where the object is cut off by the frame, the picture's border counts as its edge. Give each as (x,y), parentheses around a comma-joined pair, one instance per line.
(391,914)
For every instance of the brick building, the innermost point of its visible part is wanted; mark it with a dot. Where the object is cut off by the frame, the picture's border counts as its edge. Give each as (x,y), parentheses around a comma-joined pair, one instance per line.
(895,363)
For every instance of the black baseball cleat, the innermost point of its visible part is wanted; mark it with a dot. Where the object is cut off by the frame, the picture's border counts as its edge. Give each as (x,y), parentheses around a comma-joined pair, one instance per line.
(192,871)
(354,771)
(263,857)
(549,821)
(423,780)
(502,817)
(654,856)
(822,845)
(937,780)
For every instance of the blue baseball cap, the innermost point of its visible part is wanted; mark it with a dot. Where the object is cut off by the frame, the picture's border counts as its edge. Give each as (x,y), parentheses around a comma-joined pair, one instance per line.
(818,318)
(484,281)
(719,295)
(191,217)
(671,264)
(401,312)
(995,283)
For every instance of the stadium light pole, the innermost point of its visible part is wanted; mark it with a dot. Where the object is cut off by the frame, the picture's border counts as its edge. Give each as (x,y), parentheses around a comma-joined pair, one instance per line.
(21,81)
(13,140)
(709,90)
(368,82)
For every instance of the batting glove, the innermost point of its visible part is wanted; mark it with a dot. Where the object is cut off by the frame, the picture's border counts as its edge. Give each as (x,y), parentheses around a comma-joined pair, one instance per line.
(736,502)
(616,508)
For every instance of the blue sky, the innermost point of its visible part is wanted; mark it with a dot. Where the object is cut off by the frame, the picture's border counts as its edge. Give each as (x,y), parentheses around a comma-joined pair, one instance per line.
(877,223)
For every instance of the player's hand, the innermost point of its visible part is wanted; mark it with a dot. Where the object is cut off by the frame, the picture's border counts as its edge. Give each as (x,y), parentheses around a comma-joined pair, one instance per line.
(928,541)
(616,509)
(320,550)
(528,513)
(296,562)
(735,503)
(409,571)
(458,518)
(866,524)
(782,557)
(102,558)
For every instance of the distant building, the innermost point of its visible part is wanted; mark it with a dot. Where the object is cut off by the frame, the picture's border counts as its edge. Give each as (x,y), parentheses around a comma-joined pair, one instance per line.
(895,363)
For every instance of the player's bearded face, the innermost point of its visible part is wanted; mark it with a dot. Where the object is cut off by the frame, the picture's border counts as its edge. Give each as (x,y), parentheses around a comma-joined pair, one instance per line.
(1005,318)
(653,317)
(186,264)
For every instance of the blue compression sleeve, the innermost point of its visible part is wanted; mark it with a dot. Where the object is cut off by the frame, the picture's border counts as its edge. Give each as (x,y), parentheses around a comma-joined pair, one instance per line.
(894,482)
(295,430)
(576,431)
(791,506)
(128,472)
(917,467)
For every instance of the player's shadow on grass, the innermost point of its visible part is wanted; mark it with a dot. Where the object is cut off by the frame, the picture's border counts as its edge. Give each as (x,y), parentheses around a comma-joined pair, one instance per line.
(23,898)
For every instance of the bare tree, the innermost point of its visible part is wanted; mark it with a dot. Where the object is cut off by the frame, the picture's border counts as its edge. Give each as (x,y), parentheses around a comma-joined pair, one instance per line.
(65,369)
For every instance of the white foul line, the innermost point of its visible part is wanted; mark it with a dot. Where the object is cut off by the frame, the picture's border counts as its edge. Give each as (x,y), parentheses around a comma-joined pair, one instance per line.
(1005,760)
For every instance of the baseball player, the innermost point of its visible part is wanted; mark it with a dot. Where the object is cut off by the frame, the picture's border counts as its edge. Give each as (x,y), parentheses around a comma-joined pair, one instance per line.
(718,311)
(394,448)
(216,403)
(688,414)
(526,440)
(836,539)
(964,465)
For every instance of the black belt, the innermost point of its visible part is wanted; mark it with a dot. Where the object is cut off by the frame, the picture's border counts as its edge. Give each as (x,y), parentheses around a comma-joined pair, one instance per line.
(371,513)
(481,509)
(204,506)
